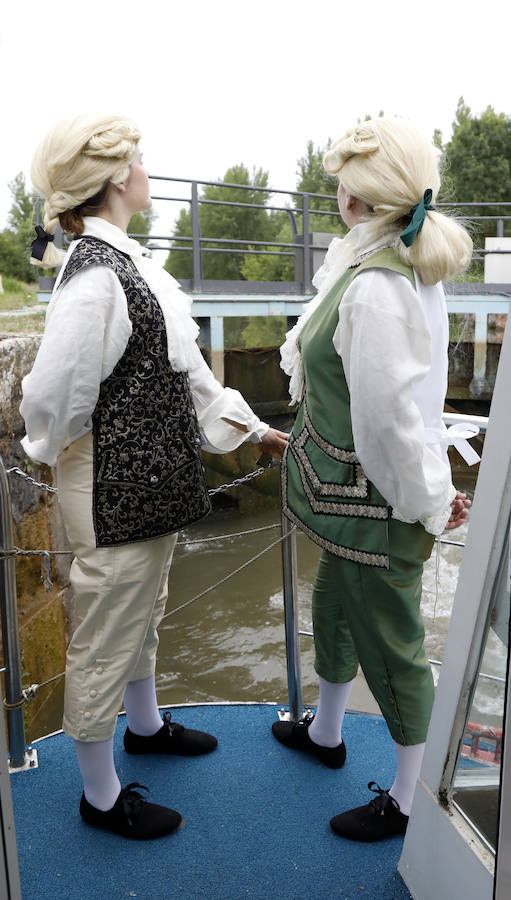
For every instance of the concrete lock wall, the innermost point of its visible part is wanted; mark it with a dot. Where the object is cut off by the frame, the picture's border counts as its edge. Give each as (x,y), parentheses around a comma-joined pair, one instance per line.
(44,615)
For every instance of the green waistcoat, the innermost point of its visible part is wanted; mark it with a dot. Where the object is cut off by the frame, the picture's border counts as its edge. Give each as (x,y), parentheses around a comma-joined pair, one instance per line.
(324,489)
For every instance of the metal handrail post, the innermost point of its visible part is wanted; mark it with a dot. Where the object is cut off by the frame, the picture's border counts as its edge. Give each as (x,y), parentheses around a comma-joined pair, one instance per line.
(9,613)
(288,545)
(196,242)
(307,283)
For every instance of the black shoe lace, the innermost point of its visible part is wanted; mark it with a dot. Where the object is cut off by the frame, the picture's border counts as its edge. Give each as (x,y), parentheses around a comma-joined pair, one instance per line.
(383,802)
(173,727)
(305,721)
(131,801)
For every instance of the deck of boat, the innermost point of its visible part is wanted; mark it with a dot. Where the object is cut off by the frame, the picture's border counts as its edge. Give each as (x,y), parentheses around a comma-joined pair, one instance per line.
(256,819)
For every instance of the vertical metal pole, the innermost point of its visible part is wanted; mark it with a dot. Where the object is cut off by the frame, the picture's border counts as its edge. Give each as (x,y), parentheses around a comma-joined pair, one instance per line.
(307,283)
(500,227)
(197,266)
(291,620)
(217,348)
(9,612)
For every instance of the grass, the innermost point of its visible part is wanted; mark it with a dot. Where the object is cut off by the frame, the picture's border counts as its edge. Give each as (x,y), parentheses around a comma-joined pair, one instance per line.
(18,295)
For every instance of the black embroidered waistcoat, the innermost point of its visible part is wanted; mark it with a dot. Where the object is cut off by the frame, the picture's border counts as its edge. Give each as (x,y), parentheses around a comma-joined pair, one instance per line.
(148,477)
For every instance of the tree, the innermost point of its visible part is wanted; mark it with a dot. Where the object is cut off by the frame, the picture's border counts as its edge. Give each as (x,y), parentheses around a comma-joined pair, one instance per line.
(314,179)
(141,223)
(279,266)
(15,240)
(224,222)
(478,161)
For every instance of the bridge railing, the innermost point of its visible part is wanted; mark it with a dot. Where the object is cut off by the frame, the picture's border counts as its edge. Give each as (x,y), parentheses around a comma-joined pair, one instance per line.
(299,206)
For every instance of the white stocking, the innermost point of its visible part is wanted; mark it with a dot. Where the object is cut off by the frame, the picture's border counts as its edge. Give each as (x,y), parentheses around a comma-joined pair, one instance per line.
(101,785)
(141,707)
(327,725)
(409,761)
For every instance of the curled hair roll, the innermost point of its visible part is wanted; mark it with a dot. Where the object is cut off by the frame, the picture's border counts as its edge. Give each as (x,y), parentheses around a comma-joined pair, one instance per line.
(72,166)
(388,164)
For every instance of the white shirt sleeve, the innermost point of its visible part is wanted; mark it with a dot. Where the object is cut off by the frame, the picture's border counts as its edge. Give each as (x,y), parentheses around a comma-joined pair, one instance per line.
(87,330)
(385,346)
(225,418)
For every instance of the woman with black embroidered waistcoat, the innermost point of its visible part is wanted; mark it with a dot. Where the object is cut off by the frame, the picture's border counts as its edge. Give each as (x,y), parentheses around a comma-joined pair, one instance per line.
(366,474)
(120,400)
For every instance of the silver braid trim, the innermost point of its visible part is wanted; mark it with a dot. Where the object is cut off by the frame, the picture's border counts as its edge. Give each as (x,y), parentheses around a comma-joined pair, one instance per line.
(379,560)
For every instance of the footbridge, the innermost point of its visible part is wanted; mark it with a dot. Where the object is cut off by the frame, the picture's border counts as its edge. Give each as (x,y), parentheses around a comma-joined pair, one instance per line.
(476,308)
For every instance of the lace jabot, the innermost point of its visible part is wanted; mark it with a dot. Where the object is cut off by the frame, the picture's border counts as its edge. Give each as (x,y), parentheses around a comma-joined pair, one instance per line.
(182,331)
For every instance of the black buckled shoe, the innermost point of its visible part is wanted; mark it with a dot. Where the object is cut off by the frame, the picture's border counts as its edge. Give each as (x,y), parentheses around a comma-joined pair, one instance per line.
(296,736)
(379,819)
(171,738)
(131,816)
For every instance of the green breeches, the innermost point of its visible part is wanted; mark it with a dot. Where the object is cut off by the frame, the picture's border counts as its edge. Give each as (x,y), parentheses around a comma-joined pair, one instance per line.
(369,615)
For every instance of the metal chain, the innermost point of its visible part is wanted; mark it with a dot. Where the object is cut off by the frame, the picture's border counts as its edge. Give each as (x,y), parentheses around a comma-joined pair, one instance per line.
(237,481)
(223,487)
(39,484)
(16,551)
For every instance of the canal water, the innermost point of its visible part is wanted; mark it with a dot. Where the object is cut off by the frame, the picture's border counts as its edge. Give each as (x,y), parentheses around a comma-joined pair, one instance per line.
(228,645)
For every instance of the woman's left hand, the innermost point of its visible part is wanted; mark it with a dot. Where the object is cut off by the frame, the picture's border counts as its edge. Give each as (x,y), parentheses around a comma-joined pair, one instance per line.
(274,442)
(459,511)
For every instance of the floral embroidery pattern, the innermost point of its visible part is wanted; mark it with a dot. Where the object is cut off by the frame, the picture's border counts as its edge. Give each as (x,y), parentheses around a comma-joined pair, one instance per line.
(148,478)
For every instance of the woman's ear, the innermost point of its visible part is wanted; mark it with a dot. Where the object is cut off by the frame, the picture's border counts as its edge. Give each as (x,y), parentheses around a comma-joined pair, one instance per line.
(351,201)
(120,187)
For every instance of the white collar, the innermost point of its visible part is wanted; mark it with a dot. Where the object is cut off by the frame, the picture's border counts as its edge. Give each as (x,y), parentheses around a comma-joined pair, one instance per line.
(95,226)
(181,329)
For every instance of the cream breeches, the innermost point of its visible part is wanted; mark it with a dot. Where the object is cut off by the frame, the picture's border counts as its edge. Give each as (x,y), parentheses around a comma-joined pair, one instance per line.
(120,594)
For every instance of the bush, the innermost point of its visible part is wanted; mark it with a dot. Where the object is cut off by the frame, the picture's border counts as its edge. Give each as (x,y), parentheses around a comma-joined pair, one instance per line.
(13,285)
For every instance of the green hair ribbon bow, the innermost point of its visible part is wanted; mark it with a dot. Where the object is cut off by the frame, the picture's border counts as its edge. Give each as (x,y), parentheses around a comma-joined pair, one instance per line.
(418,214)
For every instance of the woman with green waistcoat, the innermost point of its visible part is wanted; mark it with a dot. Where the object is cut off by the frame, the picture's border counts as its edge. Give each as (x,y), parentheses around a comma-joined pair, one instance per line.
(366,475)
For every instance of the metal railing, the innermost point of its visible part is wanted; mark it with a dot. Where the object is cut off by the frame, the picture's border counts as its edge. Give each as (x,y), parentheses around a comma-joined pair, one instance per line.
(9,613)
(301,249)
(298,206)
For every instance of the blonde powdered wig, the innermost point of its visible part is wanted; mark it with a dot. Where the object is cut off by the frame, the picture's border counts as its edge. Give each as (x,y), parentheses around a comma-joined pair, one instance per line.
(388,164)
(74,163)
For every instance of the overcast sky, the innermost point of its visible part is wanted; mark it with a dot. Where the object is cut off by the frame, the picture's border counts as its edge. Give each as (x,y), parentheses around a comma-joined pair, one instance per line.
(213,84)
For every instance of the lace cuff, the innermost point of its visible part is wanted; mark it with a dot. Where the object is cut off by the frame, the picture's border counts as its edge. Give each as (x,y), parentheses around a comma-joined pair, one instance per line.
(436,523)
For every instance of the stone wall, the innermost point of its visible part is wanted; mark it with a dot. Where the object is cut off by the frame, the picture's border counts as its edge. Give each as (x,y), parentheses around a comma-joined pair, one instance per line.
(43,614)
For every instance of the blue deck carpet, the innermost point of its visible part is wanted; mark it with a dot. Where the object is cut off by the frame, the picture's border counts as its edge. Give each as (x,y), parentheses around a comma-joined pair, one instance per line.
(257,820)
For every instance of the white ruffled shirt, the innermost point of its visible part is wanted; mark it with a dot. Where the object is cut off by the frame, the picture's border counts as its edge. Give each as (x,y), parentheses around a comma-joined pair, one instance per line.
(86,333)
(393,342)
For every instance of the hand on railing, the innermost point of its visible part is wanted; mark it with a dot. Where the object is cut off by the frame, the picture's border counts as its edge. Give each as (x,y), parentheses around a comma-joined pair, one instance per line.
(459,511)
(274,442)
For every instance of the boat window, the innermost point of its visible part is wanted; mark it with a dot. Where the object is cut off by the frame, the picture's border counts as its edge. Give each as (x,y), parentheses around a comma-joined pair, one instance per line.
(477,778)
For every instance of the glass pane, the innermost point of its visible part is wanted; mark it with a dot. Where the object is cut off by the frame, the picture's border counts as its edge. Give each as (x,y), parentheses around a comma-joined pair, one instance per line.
(477,778)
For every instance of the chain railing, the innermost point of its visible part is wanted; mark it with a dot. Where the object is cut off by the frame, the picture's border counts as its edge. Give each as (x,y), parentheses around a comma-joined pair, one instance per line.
(16,696)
